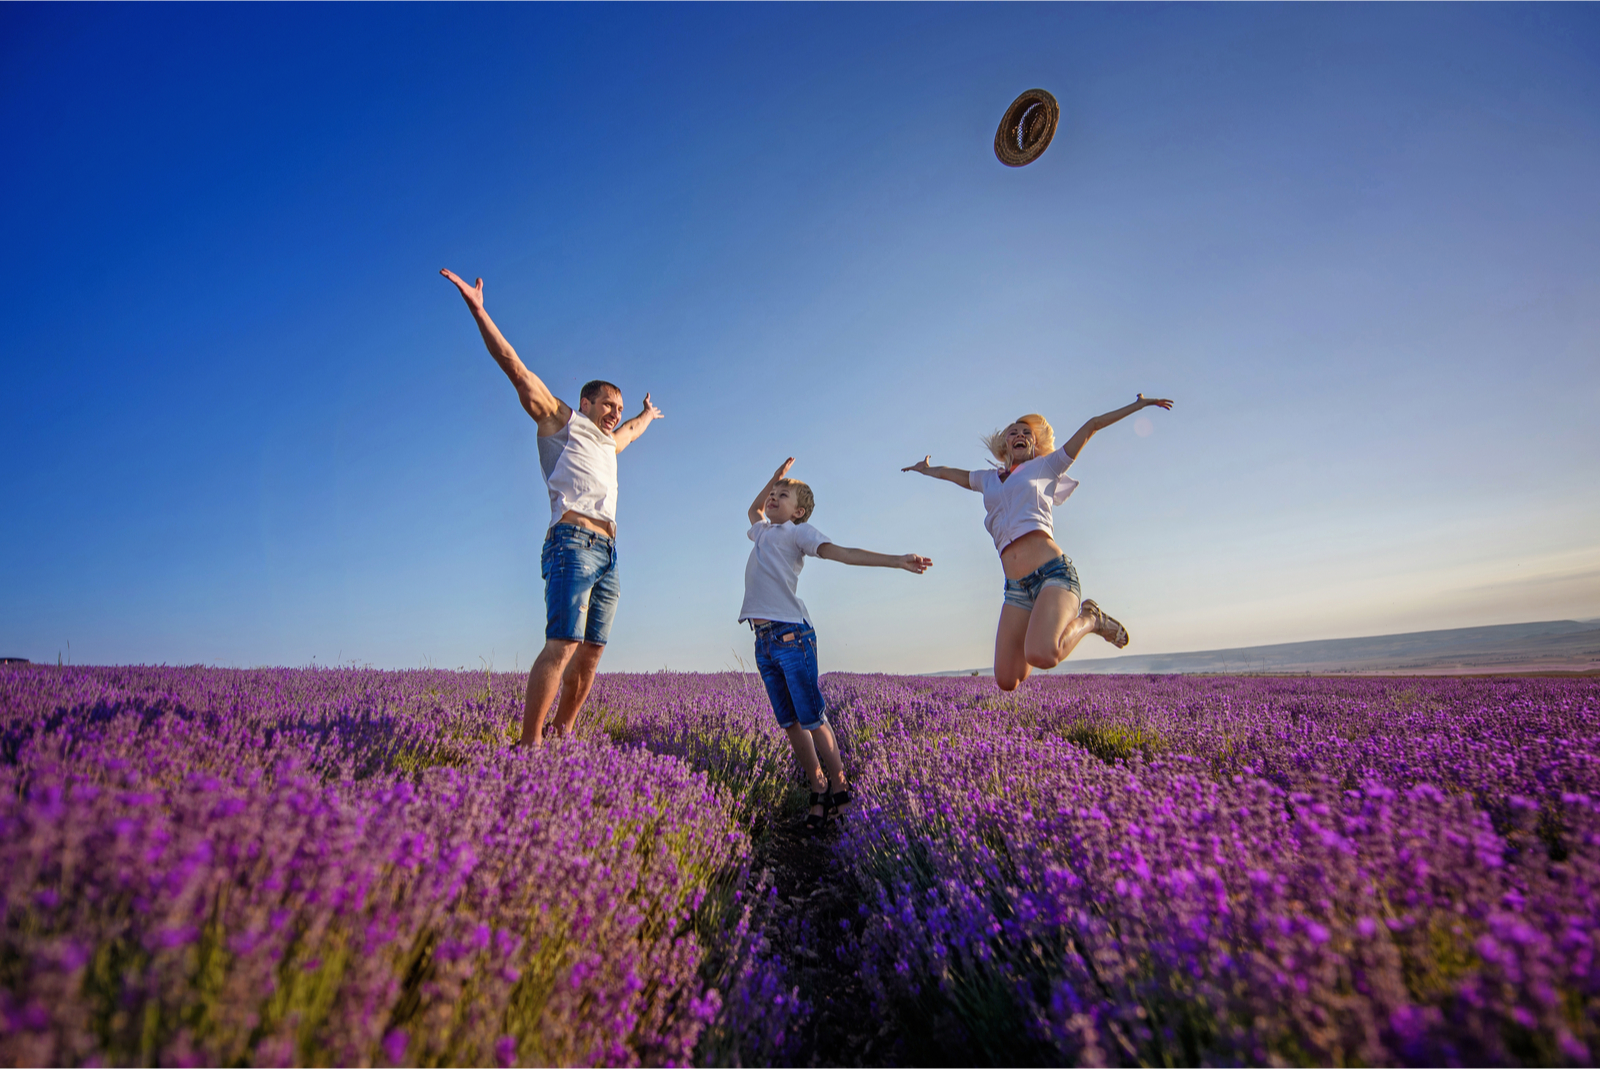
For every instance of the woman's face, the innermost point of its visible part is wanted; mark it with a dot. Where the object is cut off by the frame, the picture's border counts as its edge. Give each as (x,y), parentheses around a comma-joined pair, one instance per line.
(1020,444)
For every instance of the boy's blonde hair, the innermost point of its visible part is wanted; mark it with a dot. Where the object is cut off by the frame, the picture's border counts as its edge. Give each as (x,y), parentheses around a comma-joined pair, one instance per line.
(802,496)
(1044,437)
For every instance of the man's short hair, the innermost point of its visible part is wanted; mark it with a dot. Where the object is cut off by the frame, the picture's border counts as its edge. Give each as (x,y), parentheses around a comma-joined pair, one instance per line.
(802,496)
(591,390)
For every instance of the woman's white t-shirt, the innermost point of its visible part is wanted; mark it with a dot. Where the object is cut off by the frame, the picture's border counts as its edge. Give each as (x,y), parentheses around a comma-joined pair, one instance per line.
(580,467)
(1022,501)
(773,570)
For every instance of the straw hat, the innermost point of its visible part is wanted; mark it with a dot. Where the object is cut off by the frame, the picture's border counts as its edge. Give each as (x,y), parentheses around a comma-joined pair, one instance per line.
(1026,129)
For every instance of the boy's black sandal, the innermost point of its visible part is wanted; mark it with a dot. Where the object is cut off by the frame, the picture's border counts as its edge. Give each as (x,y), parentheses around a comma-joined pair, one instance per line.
(839,799)
(815,822)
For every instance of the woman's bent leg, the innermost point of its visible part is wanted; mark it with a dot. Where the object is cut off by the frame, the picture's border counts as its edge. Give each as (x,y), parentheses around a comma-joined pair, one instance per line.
(1056,628)
(1010,657)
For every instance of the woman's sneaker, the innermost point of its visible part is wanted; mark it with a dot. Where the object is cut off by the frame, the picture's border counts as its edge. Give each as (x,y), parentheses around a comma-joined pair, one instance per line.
(1106,627)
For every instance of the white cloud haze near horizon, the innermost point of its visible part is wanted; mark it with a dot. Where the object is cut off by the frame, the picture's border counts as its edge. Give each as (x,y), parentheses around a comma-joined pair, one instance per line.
(247,423)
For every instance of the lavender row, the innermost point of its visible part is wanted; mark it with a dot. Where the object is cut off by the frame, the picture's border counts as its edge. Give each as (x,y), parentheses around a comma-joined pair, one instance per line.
(1117,871)
(1204,869)
(205,866)
(1092,869)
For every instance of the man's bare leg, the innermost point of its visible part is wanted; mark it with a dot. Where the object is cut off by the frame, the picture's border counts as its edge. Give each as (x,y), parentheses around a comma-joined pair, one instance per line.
(575,684)
(544,680)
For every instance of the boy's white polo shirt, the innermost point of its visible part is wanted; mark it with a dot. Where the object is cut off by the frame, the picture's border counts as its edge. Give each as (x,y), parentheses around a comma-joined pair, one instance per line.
(773,570)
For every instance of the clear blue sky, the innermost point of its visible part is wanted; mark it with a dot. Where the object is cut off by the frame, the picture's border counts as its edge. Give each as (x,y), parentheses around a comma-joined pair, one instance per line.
(245,422)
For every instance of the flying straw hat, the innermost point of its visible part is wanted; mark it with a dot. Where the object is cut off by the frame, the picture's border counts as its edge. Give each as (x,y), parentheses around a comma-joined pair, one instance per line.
(1026,129)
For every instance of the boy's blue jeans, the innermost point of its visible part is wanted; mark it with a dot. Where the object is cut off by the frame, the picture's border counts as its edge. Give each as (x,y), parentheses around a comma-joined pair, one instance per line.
(786,657)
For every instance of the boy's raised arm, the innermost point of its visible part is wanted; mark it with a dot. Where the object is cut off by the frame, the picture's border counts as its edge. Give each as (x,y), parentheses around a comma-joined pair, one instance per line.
(952,475)
(758,506)
(868,559)
(547,410)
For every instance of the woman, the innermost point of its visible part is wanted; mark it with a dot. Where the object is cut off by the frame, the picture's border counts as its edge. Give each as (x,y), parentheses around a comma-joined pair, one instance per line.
(1042,620)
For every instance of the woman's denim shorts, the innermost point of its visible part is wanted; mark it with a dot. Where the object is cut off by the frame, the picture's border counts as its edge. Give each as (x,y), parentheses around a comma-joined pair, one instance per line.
(1059,572)
(786,657)
(580,584)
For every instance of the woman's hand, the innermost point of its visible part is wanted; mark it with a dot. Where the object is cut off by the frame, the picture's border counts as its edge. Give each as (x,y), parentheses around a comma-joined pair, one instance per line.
(934,471)
(913,563)
(1075,444)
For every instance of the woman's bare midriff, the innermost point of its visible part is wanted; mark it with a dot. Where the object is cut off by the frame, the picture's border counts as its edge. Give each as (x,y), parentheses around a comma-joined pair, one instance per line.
(589,523)
(1028,553)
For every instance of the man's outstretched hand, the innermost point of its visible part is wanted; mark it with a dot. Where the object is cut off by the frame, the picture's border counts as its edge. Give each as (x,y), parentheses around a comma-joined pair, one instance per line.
(913,563)
(473,295)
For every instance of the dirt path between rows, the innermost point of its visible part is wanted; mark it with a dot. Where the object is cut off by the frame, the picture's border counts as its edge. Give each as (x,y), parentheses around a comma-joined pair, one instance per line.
(816,912)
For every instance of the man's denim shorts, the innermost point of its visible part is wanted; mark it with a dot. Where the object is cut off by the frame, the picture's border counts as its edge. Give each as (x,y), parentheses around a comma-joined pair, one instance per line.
(786,657)
(580,584)
(1059,572)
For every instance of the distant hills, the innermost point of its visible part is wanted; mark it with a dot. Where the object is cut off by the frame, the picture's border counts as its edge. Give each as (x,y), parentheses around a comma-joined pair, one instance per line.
(1550,646)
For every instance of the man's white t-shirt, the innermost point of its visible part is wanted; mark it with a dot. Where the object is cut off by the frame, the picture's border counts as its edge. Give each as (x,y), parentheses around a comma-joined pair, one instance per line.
(773,570)
(580,467)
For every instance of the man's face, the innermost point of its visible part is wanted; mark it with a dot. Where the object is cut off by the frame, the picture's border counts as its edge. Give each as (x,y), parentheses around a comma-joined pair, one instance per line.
(605,410)
(782,505)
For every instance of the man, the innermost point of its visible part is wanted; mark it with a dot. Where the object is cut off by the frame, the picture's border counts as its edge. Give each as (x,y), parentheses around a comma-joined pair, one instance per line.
(578,452)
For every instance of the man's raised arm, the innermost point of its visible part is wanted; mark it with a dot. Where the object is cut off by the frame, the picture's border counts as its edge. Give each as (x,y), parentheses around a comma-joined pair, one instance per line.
(635,426)
(547,410)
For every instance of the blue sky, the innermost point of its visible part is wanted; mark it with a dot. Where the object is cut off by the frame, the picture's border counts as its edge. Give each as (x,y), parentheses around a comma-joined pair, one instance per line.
(245,422)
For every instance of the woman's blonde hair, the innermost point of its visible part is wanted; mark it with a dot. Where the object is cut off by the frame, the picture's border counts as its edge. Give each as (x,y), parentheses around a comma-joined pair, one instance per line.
(1044,437)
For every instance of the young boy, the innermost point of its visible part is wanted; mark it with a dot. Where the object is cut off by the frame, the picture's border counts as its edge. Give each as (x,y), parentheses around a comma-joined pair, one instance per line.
(786,645)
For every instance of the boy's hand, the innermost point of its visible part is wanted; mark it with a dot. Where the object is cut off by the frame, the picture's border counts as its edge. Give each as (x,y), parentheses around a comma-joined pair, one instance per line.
(758,506)
(1159,402)
(913,563)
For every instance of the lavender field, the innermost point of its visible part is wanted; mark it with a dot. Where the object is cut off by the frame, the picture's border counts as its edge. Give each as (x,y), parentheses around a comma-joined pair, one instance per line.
(208,866)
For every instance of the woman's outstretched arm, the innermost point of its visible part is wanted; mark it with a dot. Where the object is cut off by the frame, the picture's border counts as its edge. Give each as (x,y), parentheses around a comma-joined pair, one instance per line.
(961,478)
(1076,443)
